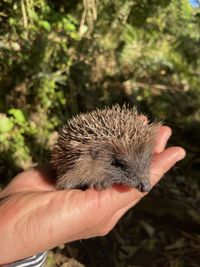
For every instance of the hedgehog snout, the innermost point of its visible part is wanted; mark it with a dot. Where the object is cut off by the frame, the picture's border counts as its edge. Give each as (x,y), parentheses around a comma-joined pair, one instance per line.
(144,186)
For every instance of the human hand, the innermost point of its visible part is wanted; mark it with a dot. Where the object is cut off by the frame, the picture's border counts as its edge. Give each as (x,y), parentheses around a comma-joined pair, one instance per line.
(35,217)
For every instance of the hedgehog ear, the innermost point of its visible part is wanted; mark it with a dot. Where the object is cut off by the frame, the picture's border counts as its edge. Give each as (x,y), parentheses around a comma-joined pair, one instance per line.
(96,149)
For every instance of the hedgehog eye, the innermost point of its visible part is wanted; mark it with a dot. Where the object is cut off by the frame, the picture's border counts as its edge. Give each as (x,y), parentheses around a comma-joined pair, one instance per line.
(119,163)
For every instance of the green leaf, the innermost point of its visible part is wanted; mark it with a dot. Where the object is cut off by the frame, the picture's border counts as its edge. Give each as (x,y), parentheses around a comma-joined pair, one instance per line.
(68,26)
(18,115)
(45,25)
(148,228)
(180,243)
(5,125)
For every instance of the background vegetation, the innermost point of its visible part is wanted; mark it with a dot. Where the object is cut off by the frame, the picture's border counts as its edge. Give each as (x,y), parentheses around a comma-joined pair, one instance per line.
(57,59)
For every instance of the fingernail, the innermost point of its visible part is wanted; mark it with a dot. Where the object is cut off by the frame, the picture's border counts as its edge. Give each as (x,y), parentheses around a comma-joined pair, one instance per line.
(180,155)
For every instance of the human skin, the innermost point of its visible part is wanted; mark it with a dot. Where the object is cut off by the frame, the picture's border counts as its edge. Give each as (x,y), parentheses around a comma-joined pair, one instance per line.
(35,217)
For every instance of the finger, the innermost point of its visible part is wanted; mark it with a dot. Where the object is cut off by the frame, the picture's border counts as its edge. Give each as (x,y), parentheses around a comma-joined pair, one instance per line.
(163,161)
(164,133)
(110,223)
(35,179)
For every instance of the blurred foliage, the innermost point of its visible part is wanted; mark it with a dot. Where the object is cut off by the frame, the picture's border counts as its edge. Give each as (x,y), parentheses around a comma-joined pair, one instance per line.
(54,64)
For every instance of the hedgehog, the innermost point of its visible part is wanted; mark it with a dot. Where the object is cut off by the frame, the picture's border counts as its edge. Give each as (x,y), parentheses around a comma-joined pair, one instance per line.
(105,147)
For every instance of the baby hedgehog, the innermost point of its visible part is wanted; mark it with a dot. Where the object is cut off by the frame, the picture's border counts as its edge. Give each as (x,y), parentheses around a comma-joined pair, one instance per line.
(103,147)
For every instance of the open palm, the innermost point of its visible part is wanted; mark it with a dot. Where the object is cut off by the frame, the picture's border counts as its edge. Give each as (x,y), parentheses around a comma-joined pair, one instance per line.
(35,217)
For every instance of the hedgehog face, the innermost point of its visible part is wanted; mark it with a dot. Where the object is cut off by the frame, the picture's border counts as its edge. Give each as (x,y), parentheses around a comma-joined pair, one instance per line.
(122,166)
(132,170)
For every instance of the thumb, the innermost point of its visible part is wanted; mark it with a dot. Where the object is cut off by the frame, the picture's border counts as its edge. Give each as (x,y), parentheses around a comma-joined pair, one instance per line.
(163,161)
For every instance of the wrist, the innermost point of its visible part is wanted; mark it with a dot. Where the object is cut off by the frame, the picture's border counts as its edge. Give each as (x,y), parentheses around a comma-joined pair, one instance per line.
(36,260)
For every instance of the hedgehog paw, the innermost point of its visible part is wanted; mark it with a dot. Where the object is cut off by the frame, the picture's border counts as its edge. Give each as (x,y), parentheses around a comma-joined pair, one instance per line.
(101,185)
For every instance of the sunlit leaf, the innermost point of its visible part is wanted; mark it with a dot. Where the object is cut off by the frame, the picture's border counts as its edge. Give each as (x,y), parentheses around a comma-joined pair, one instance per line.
(18,115)
(5,125)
